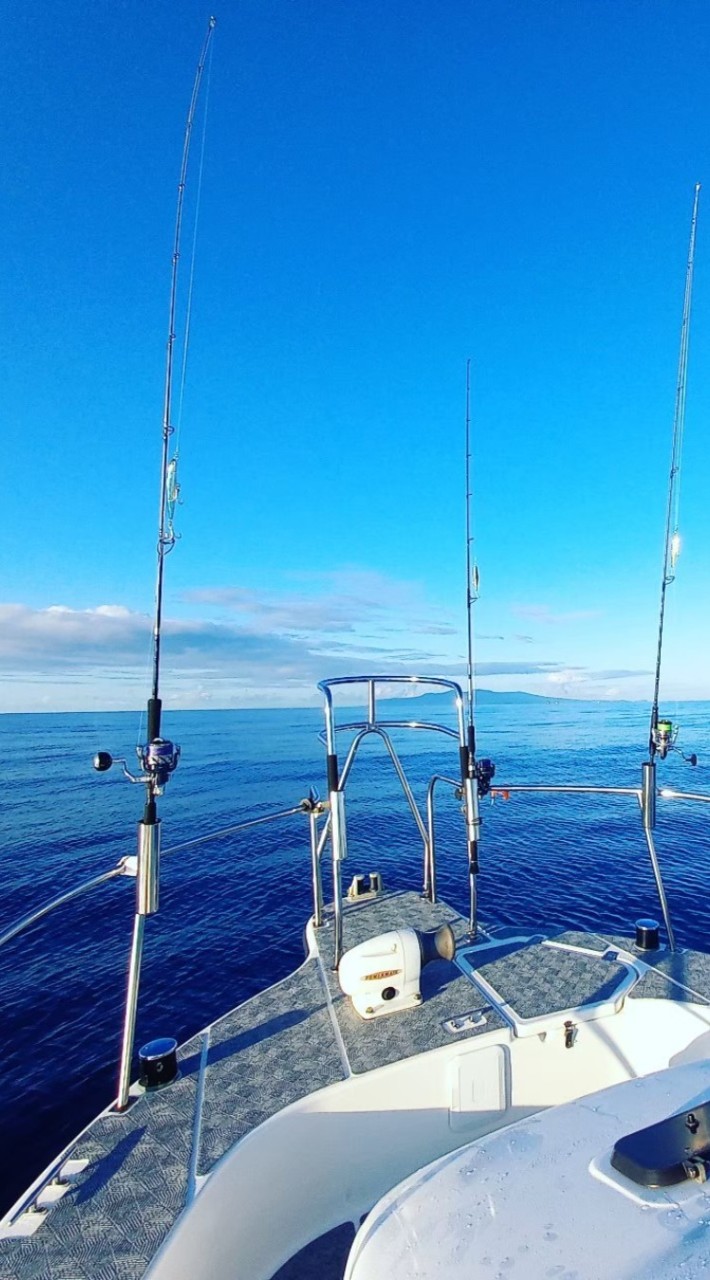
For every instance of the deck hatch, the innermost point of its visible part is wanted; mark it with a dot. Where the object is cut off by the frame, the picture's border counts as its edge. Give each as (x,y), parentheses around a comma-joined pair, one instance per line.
(545,979)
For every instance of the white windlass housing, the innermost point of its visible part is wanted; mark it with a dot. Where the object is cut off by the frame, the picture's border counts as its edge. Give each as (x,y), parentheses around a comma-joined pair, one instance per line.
(383,974)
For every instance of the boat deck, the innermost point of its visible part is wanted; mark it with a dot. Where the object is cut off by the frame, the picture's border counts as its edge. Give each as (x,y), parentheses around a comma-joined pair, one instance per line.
(143,1168)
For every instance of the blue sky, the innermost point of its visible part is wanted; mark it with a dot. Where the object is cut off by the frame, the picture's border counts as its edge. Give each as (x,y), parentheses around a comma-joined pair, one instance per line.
(388,189)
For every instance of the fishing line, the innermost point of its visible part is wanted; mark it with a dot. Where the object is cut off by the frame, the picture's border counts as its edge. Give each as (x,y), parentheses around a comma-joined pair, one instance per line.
(193,257)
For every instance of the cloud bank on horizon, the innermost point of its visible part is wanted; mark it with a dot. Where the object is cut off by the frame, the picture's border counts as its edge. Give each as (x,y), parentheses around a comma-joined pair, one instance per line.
(231,646)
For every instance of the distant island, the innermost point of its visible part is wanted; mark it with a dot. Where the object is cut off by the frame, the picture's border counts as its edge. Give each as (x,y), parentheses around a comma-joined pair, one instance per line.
(484,696)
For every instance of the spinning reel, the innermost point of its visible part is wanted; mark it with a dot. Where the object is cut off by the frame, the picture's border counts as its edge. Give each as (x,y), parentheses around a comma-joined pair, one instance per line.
(664,734)
(158,760)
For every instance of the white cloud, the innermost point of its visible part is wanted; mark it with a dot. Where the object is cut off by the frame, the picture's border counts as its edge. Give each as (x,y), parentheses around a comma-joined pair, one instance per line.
(247,646)
(543,614)
(262,645)
(339,602)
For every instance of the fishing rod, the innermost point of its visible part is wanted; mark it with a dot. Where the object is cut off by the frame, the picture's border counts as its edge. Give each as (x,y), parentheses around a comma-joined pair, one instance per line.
(662,732)
(169,488)
(476,775)
(158,756)
(472,577)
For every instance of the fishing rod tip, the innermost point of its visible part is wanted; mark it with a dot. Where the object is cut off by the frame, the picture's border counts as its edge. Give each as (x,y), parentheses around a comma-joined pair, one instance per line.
(212,23)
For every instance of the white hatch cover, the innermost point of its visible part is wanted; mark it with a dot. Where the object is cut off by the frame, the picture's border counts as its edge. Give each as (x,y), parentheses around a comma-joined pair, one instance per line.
(540,1199)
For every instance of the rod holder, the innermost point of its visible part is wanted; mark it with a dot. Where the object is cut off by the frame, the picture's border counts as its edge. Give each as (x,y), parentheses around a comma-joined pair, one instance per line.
(648,794)
(338,832)
(148,878)
(473,820)
(473,833)
(313,815)
(339,845)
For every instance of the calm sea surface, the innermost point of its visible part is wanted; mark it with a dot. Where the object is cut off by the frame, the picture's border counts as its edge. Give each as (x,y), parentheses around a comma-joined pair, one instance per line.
(232,912)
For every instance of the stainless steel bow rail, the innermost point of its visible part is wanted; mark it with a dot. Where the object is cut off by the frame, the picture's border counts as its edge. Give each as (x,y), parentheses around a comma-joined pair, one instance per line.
(474,782)
(315,809)
(467,788)
(646,797)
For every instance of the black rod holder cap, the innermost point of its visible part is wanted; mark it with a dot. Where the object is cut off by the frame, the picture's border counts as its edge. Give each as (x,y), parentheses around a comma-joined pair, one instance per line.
(648,936)
(158,1063)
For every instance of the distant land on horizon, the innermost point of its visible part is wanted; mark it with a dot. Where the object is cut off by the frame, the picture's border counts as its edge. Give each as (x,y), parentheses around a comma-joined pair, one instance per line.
(517,696)
(484,697)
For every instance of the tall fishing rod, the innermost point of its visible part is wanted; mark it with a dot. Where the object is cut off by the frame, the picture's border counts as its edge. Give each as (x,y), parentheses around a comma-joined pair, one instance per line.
(158,756)
(662,732)
(472,580)
(476,774)
(168,466)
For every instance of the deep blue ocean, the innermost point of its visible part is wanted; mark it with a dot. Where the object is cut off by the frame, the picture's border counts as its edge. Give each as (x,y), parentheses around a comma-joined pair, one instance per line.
(232,912)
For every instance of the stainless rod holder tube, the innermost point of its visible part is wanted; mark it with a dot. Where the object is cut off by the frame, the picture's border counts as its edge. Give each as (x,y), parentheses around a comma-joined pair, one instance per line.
(429,885)
(325,833)
(338,839)
(371,703)
(129,1022)
(315,870)
(648,794)
(148,877)
(473,817)
(338,833)
(473,834)
(337,916)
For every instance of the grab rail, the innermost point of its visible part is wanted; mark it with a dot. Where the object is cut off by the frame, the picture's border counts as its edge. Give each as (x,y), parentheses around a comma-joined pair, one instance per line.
(336,824)
(127,867)
(643,799)
(34,916)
